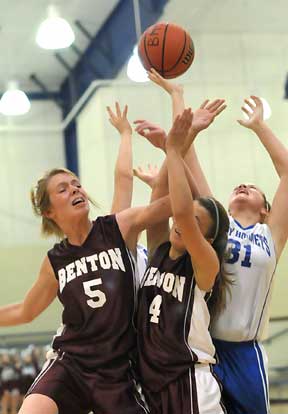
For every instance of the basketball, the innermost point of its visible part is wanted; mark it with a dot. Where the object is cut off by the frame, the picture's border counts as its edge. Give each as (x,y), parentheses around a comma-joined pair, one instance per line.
(167,48)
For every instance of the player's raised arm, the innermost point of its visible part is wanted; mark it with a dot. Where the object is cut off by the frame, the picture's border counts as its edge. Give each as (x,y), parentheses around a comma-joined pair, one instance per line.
(277,218)
(123,173)
(203,256)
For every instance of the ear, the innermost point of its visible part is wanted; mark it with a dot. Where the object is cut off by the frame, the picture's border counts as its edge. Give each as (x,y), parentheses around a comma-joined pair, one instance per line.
(49,214)
(263,215)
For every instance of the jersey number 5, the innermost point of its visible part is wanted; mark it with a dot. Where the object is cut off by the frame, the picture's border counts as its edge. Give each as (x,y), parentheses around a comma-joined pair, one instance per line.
(154,309)
(99,297)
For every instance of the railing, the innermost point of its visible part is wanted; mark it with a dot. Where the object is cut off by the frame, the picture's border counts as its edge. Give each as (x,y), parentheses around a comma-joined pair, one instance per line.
(22,339)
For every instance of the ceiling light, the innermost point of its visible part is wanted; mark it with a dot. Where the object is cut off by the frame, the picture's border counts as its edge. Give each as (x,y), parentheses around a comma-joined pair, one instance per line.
(54,32)
(135,69)
(14,101)
(266,108)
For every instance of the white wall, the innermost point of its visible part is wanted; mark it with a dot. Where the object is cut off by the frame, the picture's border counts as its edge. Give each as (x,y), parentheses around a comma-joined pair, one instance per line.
(29,145)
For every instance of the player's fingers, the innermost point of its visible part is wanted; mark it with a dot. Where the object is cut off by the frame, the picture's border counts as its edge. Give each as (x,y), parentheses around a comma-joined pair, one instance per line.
(214,104)
(143,125)
(250,104)
(125,111)
(220,109)
(245,110)
(155,73)
(118,111)
(109,110)
(257,100)
(203,105)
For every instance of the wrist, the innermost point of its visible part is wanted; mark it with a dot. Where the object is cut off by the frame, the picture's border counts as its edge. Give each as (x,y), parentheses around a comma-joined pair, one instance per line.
(193,132)
(125,133)
(171,149)
(177,92)
(258,126)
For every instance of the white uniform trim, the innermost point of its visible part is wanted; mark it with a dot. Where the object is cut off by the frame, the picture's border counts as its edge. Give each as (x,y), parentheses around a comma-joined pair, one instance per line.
(199,338)
(142,261)
(47,365)
(208,391)
(263,373)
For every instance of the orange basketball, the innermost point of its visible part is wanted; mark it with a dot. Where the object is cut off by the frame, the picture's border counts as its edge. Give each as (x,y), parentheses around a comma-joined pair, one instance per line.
(166,47)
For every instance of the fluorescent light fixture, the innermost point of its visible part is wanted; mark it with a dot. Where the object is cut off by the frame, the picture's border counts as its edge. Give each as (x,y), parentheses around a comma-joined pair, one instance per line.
(14,101)
(135,69)
(266,108)
(54,32)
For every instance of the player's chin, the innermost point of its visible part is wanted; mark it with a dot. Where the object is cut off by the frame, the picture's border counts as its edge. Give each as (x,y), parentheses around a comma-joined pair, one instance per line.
(81,208)
(176,241)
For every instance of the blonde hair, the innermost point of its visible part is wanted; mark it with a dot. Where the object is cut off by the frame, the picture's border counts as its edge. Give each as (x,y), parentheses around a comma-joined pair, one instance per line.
(41,202)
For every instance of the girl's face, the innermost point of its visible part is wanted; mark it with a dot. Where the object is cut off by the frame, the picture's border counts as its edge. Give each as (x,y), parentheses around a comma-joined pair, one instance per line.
(68,199)
(248,196)
(204,221)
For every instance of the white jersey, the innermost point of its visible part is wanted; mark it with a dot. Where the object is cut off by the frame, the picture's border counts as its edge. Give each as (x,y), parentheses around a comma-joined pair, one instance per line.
(142,261)
(252,264)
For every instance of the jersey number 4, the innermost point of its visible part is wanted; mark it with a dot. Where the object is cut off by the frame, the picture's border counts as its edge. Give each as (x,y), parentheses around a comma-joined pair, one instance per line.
(154,309)
(235,247)
(98,298)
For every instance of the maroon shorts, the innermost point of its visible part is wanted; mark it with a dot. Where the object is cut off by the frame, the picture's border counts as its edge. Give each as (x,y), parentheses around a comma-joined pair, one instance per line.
(76,390)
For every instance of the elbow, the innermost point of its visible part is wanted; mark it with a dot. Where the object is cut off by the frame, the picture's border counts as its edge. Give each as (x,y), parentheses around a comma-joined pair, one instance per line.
(28,319)
(206,285)
(26,316)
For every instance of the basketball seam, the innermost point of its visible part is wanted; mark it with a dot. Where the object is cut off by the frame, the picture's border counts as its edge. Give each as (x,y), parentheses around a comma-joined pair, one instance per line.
(163,49)
(180,56)
(151,66)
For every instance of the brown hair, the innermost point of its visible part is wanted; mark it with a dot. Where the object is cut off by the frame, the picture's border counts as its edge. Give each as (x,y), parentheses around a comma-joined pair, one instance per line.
(41,202)
(218,232)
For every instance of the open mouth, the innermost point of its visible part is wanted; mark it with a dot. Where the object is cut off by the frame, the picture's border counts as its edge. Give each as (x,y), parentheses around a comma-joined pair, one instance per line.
(242,192)
(77,201)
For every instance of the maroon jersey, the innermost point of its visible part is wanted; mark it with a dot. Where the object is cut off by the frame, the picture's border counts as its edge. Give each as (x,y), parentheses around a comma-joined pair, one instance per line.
(97,288)
(164,316)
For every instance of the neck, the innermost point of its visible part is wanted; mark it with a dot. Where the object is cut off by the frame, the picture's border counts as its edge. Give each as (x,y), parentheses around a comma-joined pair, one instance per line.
(77,232)
(246,218)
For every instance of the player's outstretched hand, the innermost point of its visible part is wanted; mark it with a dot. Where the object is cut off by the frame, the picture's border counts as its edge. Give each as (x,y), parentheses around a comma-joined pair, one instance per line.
(205,115)
(149,176)
(168,86)
(119,119)
(254,113)
(177,135)
(152,132)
